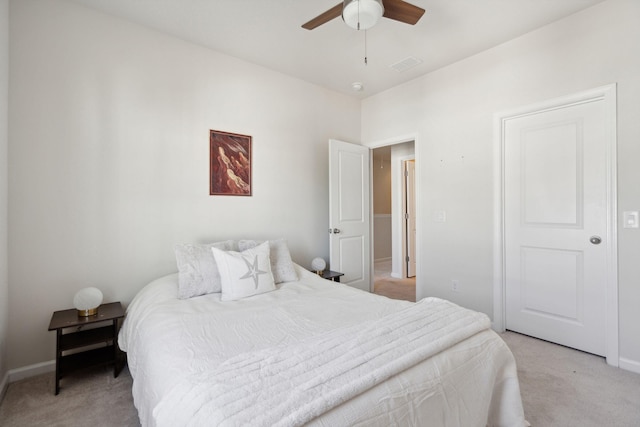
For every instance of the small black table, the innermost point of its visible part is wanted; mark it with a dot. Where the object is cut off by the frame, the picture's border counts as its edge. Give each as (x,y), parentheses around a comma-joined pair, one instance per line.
(71,335)
(331,275)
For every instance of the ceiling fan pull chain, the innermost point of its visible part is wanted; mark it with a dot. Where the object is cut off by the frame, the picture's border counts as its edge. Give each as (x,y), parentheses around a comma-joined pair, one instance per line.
(365,47)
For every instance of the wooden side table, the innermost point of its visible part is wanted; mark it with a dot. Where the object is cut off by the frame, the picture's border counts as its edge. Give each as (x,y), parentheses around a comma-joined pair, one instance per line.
(71,335)
(331,275)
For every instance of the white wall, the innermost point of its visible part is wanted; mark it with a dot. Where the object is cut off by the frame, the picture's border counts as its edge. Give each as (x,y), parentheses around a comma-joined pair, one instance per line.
(451,110)
(4,134)
(109,159)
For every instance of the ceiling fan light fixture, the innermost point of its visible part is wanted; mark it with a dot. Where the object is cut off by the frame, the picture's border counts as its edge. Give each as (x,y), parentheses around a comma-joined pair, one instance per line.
(362,14)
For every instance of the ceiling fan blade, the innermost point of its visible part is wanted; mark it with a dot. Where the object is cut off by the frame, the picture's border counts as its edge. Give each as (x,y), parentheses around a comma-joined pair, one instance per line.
(325,17)
(402,11)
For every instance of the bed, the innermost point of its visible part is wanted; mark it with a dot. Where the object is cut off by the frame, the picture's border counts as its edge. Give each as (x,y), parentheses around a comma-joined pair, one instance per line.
(314,352)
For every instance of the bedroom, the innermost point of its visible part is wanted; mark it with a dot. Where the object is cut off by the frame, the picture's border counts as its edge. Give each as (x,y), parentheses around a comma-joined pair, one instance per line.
(106,132)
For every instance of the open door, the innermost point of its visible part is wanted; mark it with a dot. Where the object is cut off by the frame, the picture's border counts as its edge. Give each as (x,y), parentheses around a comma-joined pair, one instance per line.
(410,216)
(349,217)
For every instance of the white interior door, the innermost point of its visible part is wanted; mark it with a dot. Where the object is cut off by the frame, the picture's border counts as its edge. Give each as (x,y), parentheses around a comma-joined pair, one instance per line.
(555,224)
(410,216)
(349,220)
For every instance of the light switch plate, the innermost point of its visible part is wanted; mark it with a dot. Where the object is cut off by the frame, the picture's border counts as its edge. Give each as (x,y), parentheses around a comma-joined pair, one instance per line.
(630,219)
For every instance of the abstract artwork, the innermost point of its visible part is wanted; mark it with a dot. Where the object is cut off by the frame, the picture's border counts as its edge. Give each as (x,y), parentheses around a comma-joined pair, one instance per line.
(229,164)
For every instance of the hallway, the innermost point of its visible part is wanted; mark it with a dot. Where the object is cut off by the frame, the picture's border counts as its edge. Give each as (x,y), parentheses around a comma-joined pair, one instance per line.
(391,287)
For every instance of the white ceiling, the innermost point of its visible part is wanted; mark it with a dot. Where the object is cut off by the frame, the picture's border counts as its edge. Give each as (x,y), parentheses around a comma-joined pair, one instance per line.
(268,33)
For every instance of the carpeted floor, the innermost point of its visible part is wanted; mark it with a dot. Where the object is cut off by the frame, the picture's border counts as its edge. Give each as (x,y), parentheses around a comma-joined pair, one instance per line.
(391,287)
(90,398)
(564,387)
(396,288)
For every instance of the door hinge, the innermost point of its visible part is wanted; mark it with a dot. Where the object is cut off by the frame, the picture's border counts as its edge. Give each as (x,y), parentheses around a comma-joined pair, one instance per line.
(406,215)
(407,258)
(406,173)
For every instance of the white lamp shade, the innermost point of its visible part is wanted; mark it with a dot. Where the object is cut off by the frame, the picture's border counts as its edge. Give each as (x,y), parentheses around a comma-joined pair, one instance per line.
(87,300)
(362,14)
(318,264)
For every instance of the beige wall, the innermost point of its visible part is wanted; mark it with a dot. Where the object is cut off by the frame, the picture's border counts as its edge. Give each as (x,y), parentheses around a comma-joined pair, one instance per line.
(4,104)
(451,112)
(381,168)
(109,159)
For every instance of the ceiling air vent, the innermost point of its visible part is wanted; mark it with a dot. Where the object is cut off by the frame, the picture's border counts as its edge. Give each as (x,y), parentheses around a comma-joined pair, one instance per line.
(405,64)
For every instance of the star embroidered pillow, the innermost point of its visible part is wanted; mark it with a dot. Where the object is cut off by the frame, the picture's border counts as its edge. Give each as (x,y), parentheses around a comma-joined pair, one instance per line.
(281,264)
(244,273)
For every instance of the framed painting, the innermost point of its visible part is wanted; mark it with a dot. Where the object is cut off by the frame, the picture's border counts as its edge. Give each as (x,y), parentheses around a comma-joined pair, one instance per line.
(229,164)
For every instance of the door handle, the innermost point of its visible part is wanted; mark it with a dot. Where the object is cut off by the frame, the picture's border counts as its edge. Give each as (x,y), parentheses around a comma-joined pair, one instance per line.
(334,231)
(596,240)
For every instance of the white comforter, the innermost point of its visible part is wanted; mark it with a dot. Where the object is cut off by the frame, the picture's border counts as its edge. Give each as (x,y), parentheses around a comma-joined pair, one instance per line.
(202,361)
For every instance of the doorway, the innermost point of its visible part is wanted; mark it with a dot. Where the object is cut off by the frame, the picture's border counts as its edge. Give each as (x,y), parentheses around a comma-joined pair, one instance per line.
(389,226)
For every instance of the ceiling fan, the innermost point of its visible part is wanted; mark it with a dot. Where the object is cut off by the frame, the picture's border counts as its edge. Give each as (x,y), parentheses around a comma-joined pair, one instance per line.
(364,14)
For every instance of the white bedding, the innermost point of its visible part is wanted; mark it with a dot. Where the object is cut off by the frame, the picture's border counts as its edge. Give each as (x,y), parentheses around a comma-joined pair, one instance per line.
(177,350)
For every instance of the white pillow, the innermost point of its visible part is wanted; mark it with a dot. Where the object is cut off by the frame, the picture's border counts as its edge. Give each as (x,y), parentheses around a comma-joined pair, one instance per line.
(197,270)
(244,273)
(281,264)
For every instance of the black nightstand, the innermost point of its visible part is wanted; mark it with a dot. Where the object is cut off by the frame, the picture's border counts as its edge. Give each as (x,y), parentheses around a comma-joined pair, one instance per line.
(331,275)
(71,335)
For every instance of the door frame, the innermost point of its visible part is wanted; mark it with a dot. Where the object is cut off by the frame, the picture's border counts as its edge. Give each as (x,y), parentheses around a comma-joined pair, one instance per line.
(384,143)
(606,94)
(405,230)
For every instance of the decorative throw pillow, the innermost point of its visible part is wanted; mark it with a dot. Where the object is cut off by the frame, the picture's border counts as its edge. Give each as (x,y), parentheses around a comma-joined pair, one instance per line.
(244,273)
(281,264)
(197,270)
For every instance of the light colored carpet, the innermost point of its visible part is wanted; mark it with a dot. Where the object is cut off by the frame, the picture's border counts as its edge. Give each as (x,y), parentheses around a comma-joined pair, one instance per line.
(396,288)
(569,388)
(390,287)
(88,398)
(560,387)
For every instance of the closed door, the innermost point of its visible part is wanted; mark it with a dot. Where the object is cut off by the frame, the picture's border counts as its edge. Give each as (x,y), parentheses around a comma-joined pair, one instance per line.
(555,213)
(349,223)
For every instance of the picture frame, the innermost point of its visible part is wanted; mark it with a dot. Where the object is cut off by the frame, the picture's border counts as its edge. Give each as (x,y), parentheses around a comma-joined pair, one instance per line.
(230,164)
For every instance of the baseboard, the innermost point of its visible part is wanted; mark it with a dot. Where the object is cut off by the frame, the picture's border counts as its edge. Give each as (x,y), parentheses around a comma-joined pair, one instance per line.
(382,260)
(31,370)
(629,365)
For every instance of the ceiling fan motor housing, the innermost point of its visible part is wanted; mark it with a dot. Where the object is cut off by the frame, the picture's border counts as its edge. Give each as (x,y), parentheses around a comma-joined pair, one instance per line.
(362,14)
